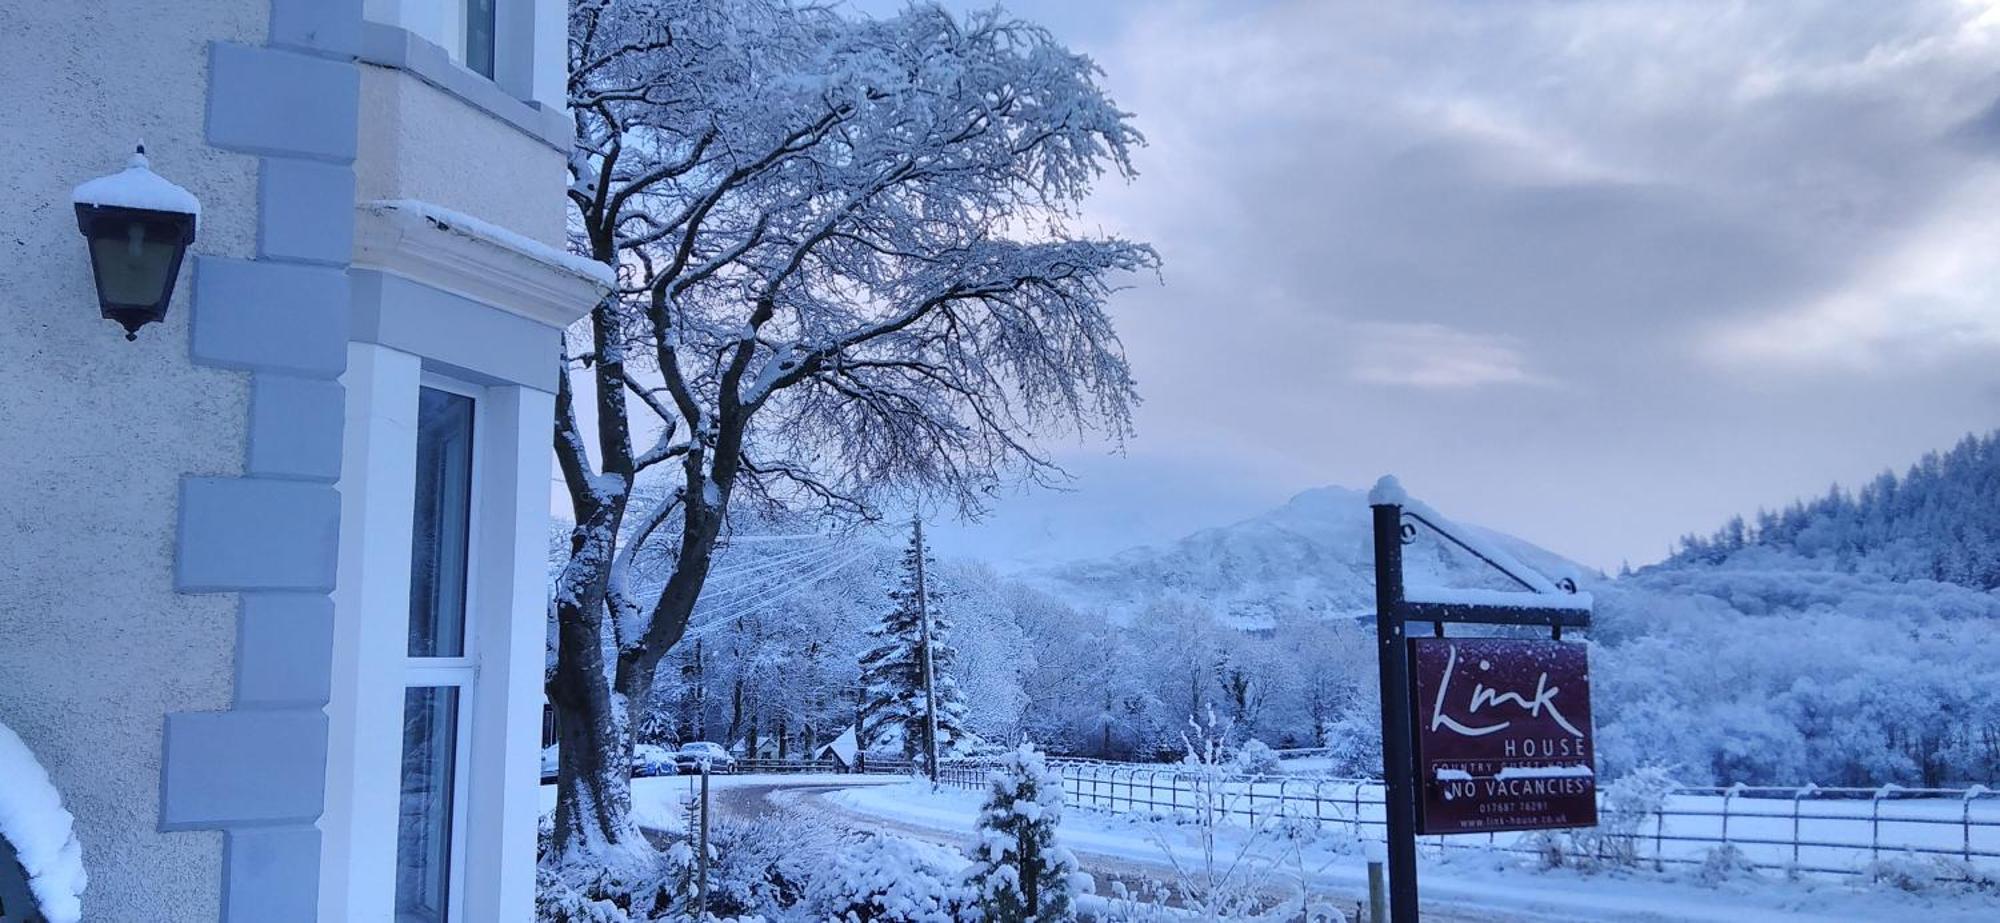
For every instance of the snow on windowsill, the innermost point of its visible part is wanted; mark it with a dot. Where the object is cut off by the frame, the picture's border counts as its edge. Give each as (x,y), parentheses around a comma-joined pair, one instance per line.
(445,219)
(42,832)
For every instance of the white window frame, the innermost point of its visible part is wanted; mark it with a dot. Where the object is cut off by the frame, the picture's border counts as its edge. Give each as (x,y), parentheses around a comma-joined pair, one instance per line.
(461,672)
(498,752)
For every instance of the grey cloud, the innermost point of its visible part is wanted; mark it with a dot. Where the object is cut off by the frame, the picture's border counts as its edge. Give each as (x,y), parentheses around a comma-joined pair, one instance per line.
(1663,252)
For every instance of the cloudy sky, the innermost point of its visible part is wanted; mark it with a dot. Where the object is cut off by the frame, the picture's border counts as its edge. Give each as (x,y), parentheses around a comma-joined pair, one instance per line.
(1597,274)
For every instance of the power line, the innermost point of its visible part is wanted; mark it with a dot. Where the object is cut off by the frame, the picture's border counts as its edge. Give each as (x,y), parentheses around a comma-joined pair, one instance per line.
(763,594)
(751,568)
(743,607)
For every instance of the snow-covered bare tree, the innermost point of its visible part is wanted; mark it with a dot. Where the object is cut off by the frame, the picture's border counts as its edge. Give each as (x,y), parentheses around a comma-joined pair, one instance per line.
(908,686)
(847,271)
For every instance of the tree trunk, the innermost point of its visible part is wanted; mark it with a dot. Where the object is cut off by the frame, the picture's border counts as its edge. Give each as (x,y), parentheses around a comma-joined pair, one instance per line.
(736,715)
(593,820)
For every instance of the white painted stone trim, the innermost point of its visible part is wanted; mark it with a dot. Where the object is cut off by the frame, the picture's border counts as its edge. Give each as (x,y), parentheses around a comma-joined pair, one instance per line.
(371,623)
(458,256)
(511,585)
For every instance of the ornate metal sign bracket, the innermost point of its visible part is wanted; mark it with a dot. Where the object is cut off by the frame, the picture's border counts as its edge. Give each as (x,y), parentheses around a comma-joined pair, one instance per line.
(1555,605)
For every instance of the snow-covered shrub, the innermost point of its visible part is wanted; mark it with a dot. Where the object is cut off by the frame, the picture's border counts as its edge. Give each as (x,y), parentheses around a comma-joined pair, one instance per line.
(1220,881)
(1143,901)
(1622,814)
(1354,745)
(1928,875)
(1724,863)
(1904,873)
(882,879)
(1018,872)
(1256,758)
(763,866)
(33,819)
(557,900)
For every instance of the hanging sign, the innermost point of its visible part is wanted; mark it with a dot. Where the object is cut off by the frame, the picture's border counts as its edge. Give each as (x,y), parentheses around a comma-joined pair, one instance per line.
(1503,735)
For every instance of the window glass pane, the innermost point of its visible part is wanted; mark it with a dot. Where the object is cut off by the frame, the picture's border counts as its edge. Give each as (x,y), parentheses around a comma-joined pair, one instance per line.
(423,839)
(444,511)
(479,36)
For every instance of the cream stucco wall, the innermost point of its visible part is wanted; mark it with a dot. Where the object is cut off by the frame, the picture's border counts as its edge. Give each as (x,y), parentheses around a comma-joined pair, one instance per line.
(95,434)
(419,142)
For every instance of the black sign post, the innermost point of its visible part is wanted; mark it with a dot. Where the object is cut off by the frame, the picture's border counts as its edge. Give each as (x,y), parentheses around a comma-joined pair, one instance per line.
(1393,613)
(1399,797)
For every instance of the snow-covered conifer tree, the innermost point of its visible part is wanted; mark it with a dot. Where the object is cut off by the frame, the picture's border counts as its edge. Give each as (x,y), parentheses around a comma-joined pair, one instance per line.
(1018,872)
(895,706)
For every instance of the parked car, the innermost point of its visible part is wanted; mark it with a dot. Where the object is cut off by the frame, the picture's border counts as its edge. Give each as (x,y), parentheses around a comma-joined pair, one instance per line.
(690,756)
(652,760)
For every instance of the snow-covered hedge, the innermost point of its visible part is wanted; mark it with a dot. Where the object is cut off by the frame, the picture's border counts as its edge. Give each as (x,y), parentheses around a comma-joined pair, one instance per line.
(43,833)
(882,879)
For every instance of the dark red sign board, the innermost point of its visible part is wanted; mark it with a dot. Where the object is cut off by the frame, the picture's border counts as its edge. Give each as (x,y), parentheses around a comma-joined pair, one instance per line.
(1503,736)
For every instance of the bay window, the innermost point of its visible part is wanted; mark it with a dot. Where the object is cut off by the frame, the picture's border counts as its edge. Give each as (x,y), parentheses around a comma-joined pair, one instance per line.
(438,676)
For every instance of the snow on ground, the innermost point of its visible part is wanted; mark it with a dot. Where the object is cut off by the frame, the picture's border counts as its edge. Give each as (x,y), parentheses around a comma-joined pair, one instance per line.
(1476,883)
(1463,879)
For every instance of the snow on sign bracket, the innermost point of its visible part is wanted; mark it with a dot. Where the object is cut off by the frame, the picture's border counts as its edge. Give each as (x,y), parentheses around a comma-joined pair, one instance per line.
(1478,734)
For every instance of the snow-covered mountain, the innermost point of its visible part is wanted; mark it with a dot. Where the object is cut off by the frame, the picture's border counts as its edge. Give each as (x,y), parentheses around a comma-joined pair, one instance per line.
(1314,554)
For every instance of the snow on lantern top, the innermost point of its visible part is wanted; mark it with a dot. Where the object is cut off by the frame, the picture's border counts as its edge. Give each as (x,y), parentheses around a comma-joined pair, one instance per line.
(137,187)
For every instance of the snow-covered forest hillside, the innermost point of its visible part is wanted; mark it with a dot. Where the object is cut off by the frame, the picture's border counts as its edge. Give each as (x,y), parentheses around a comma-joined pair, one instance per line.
(1939,521)
(1846,640)
(1312,555)
(1778,662)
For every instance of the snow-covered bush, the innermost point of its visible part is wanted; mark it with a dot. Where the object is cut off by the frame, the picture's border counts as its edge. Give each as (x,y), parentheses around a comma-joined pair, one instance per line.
(1256,758)
(1622,813)
(763,866)
(1354,744)
(1018,873)
(757,869)
(1220,881)
(1929,875)
(1724,863)
(882,879)
(33,819)
(558,900)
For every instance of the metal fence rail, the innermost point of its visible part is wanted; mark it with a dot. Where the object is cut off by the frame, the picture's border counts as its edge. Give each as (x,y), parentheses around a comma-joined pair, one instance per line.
(1806,829)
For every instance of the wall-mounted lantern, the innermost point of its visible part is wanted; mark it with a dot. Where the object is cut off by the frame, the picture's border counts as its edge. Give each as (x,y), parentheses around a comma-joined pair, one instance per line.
(139,226)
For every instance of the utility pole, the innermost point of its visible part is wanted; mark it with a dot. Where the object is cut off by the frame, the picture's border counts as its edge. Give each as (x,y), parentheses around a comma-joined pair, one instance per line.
(930,670)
